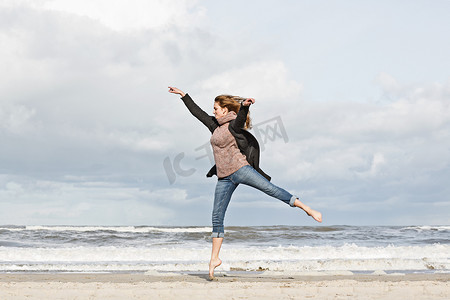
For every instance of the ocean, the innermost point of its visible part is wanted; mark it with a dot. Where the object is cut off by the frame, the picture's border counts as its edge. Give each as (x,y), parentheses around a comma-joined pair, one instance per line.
(298,249)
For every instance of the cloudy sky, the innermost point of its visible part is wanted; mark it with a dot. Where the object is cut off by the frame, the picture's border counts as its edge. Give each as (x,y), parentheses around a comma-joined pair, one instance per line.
(352,109)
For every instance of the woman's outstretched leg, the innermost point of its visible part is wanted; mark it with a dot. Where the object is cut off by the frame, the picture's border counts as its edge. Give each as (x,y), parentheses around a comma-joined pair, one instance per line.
(249,176)
(215,260)
(316,215)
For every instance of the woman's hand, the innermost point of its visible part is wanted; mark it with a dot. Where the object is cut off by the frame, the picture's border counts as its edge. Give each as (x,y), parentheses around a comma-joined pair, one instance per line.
(248,101)
(174,90)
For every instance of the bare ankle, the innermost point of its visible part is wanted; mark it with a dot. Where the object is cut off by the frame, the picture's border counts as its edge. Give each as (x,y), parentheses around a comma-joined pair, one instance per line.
(213,264)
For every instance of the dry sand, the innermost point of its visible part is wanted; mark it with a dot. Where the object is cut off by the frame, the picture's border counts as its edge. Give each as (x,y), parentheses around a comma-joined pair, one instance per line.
(228,286)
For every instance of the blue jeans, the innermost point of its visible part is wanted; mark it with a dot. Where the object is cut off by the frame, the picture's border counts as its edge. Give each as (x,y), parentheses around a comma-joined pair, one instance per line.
(225,187)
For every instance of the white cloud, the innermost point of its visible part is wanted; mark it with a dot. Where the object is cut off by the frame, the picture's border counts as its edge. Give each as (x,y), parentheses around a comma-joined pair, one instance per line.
(265,79)
(388,83)
(138,141)
(78,202)
(357,147)
(16,118)
(124,16)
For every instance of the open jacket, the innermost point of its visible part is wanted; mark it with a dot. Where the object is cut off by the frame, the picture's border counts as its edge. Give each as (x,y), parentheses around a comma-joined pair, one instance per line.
(246,142)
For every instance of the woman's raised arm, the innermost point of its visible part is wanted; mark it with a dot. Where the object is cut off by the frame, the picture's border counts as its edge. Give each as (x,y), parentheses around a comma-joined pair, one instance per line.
(196,111)
(242,114)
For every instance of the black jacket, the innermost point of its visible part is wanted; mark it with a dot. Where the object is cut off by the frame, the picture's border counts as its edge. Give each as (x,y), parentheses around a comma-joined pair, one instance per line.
(246,142)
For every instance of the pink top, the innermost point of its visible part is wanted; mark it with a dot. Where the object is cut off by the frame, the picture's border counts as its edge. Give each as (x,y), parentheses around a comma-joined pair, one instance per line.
(227,155)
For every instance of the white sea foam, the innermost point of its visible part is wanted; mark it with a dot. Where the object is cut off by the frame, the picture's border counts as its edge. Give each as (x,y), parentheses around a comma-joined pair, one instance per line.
(429,228)
(307,273)
(180,249)
(292,259)
(131,229)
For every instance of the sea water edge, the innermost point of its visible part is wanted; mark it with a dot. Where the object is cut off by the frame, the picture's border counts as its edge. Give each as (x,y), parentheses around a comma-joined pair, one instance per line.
(279,249)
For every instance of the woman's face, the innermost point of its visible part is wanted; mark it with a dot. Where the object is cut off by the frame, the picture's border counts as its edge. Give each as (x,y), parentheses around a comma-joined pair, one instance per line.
(219,112)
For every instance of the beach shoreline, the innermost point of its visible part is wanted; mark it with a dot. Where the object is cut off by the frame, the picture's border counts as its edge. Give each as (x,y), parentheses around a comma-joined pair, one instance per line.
(221,277)
(228,286)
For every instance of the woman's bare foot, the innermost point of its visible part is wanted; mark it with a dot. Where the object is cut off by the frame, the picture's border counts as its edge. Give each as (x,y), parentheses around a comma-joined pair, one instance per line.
(309,211)
(316,215)
(214,263)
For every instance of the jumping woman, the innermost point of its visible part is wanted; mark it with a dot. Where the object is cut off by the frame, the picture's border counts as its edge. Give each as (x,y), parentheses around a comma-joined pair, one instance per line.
(236,154)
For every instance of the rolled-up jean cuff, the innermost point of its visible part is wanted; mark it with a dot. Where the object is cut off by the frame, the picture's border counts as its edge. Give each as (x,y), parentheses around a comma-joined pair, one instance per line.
(291,203)
(217,235)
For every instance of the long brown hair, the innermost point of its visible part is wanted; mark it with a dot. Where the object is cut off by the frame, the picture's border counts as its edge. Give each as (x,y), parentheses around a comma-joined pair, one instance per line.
(233,103)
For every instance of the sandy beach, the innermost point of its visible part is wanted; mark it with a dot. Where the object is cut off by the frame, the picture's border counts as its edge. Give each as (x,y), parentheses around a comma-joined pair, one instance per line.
(228,286)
